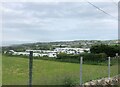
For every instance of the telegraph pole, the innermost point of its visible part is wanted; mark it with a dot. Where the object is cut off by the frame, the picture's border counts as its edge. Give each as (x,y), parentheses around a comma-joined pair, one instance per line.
(30,68)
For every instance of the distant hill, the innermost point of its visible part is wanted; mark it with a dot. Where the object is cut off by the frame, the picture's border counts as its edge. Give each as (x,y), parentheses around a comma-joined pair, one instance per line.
(52,45)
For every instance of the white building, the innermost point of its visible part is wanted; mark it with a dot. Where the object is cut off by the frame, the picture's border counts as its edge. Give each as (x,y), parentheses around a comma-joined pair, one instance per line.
(35,51)
(21,53)
(49,53)
(42,53)
(36,54)
(52,55)
(72,50)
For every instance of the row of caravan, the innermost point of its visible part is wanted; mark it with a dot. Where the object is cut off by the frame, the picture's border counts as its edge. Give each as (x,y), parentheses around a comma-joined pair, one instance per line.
(35,54)
(52,53)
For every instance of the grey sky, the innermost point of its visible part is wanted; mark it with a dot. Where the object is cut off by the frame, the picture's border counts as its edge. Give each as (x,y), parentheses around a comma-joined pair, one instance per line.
(29,22)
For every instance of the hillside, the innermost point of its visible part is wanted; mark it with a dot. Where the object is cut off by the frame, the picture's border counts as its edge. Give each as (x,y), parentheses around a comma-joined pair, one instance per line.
(52,45)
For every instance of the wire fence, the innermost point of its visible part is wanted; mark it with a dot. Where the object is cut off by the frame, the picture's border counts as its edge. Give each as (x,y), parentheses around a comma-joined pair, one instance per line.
(57,73)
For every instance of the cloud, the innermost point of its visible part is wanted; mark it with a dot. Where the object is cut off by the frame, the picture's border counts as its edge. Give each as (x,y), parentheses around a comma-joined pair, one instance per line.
(58,21)
(59,1)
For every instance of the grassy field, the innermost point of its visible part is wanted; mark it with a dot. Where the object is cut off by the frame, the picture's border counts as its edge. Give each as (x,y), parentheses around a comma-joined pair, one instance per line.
(0,70)
(15,72)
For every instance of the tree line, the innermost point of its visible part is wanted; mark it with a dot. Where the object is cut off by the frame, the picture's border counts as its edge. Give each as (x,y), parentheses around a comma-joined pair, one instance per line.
(109,50)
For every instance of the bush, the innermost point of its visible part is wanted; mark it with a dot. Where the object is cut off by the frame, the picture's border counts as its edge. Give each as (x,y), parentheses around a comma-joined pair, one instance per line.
(68,82)
(62,55)
(87,57)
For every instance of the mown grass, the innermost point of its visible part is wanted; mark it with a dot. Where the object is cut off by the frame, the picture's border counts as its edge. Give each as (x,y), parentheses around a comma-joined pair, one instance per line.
(15,72)
(0,69)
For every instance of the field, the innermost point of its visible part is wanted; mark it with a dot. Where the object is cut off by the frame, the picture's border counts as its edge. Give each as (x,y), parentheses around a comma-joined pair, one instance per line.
(15,72)
(0,69)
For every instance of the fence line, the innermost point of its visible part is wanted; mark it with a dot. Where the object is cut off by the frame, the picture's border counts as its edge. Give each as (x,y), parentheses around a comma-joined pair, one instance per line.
(81,68)
(81,62)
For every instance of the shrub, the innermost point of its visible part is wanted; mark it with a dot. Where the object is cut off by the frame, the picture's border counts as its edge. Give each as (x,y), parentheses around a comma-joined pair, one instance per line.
(87,57)
(68,82)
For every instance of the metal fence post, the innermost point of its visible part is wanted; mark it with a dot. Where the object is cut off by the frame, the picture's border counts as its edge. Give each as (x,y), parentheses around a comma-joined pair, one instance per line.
(81,61)
(117,55)
(30,68)
(108,67)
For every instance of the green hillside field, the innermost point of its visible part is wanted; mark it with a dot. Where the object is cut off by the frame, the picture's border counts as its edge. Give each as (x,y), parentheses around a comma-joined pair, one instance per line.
(15,72)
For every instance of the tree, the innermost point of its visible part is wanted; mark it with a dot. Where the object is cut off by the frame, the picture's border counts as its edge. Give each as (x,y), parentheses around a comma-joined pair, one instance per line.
(107,49)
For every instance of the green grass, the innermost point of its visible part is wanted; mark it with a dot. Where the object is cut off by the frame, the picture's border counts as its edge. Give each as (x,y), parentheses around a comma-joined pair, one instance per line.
(0,69)
(15,72)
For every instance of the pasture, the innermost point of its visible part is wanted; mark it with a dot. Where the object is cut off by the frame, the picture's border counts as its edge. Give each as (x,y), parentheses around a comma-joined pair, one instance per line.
(15,72)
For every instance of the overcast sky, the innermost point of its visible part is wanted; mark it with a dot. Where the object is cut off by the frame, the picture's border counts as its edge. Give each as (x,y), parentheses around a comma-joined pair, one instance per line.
(42,22)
